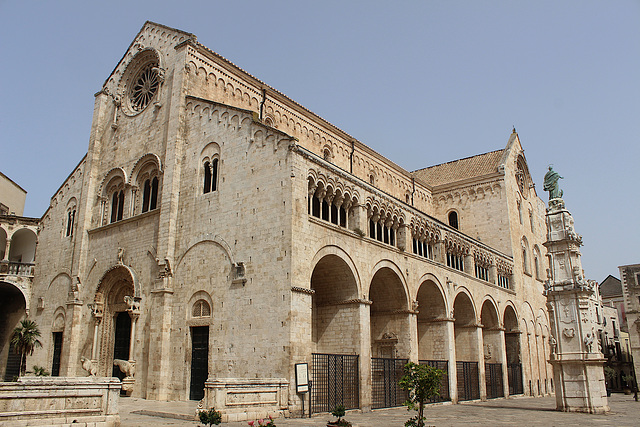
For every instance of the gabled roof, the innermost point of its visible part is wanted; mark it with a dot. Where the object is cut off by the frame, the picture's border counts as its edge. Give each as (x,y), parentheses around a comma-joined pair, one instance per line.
(610,287)
(462,169)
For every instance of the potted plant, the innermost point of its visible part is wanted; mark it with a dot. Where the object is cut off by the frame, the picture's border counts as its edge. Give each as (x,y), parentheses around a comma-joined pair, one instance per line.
(609,374)
(210,417)
(339,412)
(422,382)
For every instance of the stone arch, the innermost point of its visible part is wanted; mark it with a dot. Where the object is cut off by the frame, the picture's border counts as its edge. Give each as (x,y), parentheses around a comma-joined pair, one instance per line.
(114,318)
(335,305)
(390,315)
(23,246)
(491,336)
(3,242)
(466,345)
(217,240)
(58,320)
(119,271)
(111,176)
(345,257)
(13,306)
(148,160)
(199,310)
(432,318)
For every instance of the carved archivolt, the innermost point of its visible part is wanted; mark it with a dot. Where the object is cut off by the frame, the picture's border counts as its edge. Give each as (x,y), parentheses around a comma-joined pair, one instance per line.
(456,245)
(424,229)
(332,188)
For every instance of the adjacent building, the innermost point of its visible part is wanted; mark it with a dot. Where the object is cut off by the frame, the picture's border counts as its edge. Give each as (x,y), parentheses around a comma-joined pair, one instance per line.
(18,239)
(217,234)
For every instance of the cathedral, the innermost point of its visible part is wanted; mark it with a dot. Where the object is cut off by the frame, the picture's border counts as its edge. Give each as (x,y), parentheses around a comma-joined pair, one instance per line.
(220,242)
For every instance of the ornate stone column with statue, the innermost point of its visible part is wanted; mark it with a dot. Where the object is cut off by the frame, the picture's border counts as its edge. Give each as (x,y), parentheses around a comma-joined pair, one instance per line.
(571,299)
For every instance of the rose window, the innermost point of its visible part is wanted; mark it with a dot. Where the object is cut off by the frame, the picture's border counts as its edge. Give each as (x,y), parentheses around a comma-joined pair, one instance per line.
(144,88)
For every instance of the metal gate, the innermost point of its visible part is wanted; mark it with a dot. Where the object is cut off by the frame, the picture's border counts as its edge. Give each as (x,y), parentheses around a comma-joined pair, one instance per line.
(468,386)
(385,374)
(493,376)
(444,383)
(335,381)
(515,378)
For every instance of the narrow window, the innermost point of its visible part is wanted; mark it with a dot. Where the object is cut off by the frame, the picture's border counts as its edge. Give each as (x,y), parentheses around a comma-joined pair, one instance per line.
(343,217)
(315,206)
(379,232)
(453,220)
(392,237)
(214,175)
(372,229)
(120,204)
(146,194)
(154,193)
(334,214)
(114,207)
(531,221)
(207,177)
(325,210)
(71,216)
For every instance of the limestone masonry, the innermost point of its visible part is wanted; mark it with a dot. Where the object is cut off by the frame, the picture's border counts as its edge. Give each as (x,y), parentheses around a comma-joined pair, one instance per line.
(217,233)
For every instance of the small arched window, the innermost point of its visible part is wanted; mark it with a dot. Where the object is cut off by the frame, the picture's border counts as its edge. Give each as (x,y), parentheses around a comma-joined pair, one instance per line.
(71,219)
(453,219)
(201,308)
(210,176)
(117,206)
(150,194)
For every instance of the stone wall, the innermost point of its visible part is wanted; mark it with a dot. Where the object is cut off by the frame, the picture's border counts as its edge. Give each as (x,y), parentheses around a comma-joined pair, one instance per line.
(48,401)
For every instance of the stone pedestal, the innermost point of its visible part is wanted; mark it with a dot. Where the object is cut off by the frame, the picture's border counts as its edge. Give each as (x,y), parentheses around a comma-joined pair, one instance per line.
(575,355)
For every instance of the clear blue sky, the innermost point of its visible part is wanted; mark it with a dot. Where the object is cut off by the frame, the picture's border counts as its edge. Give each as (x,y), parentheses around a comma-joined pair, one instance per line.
(422,82)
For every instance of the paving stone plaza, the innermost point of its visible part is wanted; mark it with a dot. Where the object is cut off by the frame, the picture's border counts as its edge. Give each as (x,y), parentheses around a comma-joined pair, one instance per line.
(523,411)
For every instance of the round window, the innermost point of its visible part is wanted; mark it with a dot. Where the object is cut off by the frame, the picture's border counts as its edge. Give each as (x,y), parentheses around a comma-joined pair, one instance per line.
(144,88)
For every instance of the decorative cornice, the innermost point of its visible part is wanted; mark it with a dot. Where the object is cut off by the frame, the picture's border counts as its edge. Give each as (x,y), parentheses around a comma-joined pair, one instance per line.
(302,290)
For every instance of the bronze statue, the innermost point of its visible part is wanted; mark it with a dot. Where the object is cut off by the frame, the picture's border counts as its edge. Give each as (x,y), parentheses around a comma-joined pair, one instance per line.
(551,179)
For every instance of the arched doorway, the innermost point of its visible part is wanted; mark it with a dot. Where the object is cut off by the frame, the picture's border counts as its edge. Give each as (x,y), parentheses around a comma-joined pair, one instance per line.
(116,309)
(12,309)
(512,350)
(466,337)
(390,322)
(493,350)
(433,332)
(335,335)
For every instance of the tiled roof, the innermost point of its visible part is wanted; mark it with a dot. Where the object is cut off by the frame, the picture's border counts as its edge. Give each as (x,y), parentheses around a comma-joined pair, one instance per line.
(459,170)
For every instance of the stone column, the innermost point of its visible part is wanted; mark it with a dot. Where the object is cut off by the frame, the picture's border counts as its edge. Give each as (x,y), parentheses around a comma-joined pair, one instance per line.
(451,359)
(441,252)
(7,249)
(469,264)
(159,374)
(502,357)
(74,326)
(493,274)
(403,237)
(572,300)
(481,368)
(364,311)
(413,332)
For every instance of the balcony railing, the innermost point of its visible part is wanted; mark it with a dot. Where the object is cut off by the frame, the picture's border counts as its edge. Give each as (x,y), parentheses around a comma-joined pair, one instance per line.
(17,268)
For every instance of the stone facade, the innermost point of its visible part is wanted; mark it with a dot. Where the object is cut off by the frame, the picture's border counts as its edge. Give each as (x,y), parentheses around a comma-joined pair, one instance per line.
(630,277)
(18,240)
(53,402)
(220,222)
